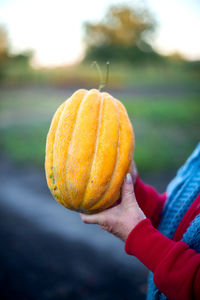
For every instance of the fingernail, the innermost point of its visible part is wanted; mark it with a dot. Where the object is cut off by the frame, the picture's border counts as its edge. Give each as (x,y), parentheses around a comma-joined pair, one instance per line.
(128,178)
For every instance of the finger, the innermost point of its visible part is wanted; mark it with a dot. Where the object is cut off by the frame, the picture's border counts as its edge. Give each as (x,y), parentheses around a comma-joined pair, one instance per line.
(127,189)
(92,219)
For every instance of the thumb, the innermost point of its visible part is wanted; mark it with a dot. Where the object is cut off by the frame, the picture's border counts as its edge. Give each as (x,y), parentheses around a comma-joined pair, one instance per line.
(127,189)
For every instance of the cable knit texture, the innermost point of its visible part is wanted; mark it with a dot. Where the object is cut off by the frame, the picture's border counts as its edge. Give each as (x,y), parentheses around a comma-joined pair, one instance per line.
(182,191)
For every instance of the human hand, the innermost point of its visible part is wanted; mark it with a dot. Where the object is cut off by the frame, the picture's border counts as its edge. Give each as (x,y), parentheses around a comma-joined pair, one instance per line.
(122,218)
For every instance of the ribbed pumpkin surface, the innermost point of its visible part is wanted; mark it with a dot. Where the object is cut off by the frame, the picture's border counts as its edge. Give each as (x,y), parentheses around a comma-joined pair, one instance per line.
(88,151)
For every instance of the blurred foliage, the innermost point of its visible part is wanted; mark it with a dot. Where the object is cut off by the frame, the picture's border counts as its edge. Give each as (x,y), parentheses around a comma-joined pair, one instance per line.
(16,68)
(122,35)
(3,43)
(16,64)
(122,25)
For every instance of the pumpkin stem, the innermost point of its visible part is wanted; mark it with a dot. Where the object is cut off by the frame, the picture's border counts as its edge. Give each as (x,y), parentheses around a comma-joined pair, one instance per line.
(104,82)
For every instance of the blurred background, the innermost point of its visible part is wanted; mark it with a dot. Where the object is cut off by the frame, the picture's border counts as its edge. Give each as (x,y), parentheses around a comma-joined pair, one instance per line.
(46,52)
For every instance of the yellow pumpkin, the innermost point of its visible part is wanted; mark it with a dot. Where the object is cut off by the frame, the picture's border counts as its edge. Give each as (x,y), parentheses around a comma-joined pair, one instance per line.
(89,150)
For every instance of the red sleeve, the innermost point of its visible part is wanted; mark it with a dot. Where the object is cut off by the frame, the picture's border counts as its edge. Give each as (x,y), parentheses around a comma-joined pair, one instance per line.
(176,267)
(149,200)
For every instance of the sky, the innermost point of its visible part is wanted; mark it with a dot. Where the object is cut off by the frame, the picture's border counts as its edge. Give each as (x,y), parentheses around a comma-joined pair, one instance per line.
(53,29)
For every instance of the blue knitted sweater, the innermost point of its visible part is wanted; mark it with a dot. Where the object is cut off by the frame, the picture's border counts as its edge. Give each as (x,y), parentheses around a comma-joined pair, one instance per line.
(181,192)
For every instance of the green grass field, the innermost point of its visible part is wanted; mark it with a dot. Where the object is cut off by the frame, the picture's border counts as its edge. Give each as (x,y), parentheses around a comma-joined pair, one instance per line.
(166,127)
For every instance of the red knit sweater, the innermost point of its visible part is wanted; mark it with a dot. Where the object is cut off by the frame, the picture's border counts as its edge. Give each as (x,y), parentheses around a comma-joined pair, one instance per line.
(176,267)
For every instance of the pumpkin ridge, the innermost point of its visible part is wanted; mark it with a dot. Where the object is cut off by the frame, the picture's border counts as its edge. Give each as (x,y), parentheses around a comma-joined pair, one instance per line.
(117,155)
(74,126)
(77,97)
(60,188)
(53,170)
(95,148)
(53,186)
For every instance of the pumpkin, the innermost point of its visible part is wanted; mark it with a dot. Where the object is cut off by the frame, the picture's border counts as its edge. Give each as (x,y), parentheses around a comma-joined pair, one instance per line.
(89,150)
